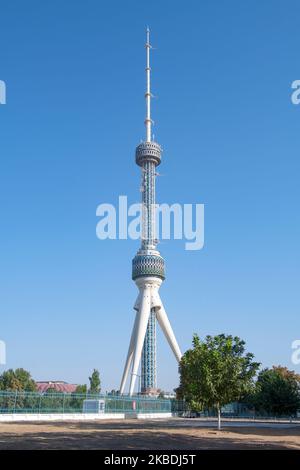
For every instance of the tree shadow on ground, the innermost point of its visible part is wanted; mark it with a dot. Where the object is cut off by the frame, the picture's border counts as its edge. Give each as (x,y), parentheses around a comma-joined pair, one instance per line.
(140,439)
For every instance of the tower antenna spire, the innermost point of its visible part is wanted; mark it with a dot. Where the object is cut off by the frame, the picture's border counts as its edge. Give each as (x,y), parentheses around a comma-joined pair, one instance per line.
(148,121)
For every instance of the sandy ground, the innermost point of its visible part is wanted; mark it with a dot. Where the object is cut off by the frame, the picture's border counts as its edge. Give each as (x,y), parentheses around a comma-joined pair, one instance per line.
(175,433)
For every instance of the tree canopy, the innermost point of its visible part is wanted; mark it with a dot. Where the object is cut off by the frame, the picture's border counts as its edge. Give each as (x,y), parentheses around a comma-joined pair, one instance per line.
(277,392)
(81,389)
(95,383)
(215,372)
(18,379)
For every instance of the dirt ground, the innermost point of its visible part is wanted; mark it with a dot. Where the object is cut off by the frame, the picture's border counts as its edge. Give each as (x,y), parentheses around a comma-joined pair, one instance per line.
(168,434)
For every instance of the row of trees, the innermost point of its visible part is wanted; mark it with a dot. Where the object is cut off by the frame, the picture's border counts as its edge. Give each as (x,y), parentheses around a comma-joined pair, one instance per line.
(218,371)
(21,380)
(276,392)
(214,372)
(95,384)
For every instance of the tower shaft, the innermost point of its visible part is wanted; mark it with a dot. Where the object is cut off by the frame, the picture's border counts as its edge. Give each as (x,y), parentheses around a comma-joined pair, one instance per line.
(148,205)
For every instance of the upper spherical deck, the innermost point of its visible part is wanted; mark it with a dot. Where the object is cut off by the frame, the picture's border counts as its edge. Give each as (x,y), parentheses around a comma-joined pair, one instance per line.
(148,151)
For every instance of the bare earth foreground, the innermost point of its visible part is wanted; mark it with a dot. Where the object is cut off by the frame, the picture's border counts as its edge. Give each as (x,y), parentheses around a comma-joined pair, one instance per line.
(175,433)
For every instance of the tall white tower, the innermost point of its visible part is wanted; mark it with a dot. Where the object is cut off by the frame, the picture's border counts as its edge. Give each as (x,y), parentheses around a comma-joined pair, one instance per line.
(148,268)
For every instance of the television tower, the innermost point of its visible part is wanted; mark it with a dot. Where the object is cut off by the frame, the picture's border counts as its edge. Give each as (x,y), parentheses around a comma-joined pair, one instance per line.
(148,268)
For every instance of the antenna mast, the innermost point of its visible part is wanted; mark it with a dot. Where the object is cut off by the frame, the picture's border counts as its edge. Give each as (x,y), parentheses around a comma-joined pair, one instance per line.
(148,121)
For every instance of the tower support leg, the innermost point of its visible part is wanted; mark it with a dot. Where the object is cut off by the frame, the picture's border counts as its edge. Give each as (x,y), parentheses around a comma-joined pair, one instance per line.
(165,325)
(129,355)
(141,327)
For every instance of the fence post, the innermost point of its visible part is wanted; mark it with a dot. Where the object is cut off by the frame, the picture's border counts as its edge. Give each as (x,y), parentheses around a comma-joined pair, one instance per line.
(15,402)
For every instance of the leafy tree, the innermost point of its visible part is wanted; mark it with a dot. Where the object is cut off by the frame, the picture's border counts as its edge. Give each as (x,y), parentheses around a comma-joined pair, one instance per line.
(286,373)
(52,400)
(77,398)
(19,379)
(52,391)
(215,372)
(277,391)
(81,389)
(95,384)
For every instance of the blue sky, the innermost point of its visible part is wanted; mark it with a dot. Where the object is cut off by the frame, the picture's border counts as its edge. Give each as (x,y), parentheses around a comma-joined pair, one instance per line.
(74,72)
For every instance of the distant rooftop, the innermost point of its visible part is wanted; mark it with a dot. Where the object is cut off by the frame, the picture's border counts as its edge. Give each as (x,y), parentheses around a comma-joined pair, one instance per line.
(57,385)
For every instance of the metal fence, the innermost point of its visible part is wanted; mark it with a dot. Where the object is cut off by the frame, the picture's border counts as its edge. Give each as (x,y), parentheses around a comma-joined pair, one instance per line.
(33,402)
(51,402)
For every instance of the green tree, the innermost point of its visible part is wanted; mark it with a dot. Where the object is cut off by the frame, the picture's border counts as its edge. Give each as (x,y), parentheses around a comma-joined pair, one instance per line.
(82,389)
(77,398)
(19,379)
(52,391)
(52,400)
(95,383)
(277,392)
(215,372)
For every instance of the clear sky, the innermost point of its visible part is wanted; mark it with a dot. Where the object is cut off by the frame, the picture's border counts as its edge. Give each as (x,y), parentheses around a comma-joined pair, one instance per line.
(74,72)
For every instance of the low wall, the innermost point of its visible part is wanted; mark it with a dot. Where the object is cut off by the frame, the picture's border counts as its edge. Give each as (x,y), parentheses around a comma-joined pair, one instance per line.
(59,416)
(14,417)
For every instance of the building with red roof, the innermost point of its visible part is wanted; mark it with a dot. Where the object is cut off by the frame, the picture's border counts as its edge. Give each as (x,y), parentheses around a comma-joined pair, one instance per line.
(56,385)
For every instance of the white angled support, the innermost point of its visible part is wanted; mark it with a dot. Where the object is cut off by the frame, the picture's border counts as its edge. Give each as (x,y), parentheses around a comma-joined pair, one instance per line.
(148,298)
(141,327)
(129,356)
(165,325)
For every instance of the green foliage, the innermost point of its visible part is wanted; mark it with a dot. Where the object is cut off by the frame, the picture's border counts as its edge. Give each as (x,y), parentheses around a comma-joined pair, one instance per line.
(277,392)
(81,389)
(95,383)
(215,372)
(52,400)
(52,391)
(76,399)
(113,392)
(19,379)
